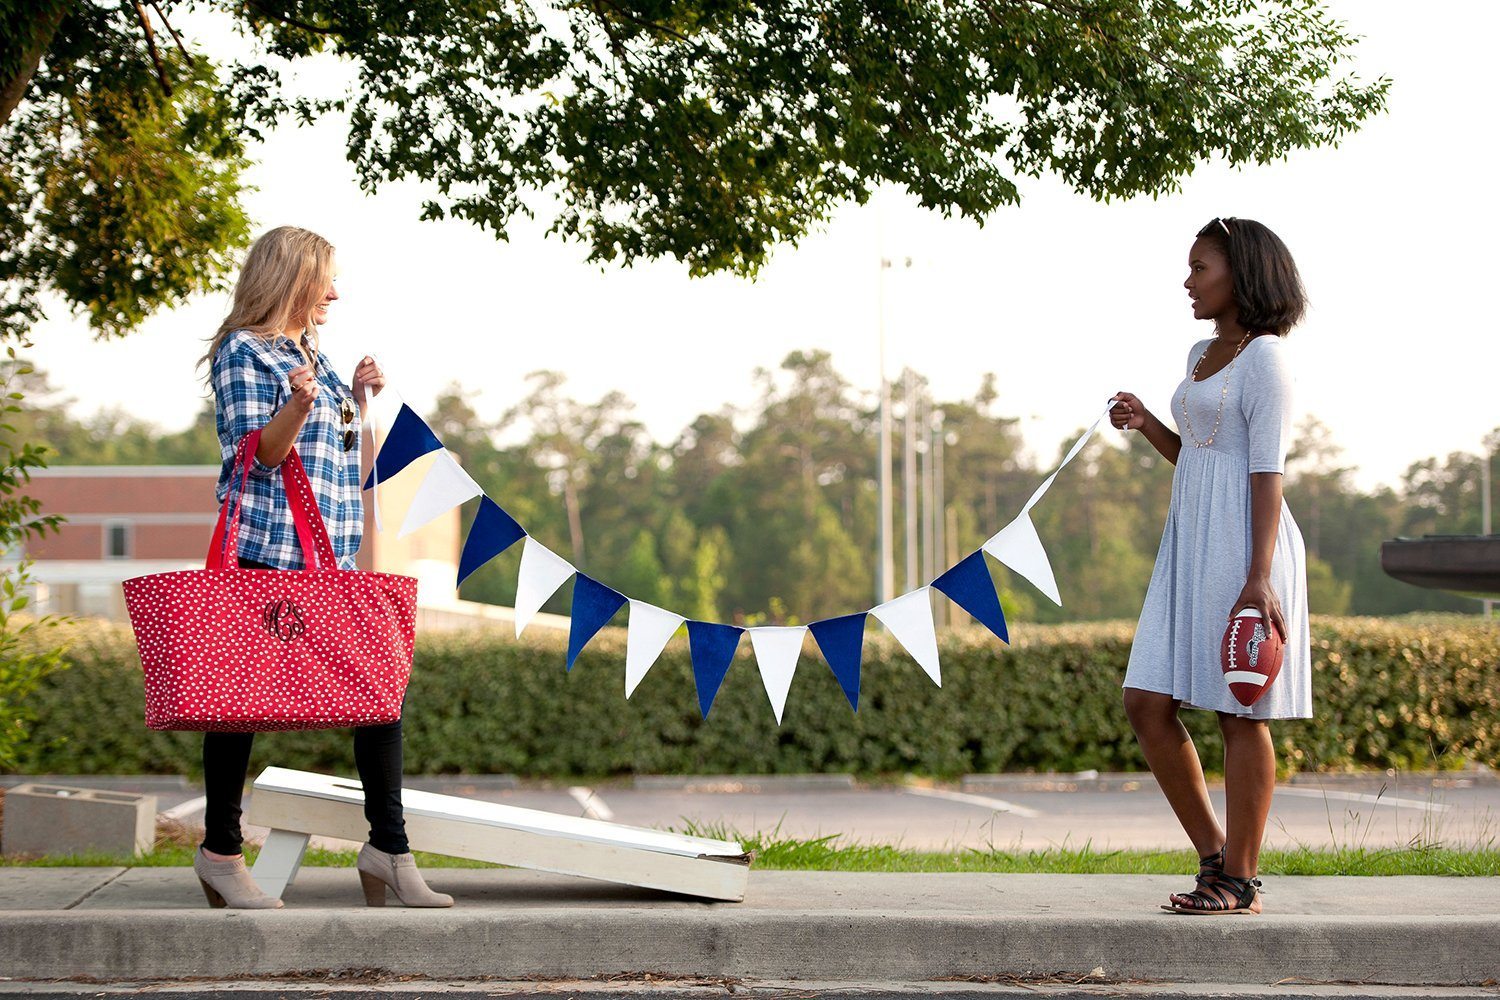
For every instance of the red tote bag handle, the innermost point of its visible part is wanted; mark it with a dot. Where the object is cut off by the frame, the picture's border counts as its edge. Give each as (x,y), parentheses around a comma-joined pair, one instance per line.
(307,519)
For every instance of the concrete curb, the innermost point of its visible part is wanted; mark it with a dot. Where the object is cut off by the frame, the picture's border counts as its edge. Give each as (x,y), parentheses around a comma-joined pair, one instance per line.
(656,988)
(878,946)
(819,926)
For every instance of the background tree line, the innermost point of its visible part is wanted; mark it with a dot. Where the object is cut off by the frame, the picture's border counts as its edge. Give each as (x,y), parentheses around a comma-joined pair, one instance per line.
(771,511)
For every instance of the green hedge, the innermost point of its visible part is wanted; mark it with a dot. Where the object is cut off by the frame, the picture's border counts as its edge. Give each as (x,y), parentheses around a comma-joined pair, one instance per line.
(1387,693)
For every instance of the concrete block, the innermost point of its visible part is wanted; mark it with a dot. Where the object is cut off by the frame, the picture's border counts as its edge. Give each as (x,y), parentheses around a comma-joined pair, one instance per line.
(57,820)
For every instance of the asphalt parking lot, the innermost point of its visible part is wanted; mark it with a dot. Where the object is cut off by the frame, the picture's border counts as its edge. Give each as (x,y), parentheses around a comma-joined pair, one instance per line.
(1003,811)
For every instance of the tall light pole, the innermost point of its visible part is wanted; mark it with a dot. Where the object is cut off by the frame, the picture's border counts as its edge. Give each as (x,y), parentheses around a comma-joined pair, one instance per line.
(940,504)
(909,471)
(885,583)
(1484,507)
(927,446)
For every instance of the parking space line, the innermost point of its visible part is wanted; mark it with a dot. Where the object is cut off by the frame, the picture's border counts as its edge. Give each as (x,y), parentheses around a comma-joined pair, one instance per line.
(183,809)
(1382,800)
(984,802)
(593,805)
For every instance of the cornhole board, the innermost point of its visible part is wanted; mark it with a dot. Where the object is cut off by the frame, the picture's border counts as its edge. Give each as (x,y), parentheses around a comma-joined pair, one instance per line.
(296,805)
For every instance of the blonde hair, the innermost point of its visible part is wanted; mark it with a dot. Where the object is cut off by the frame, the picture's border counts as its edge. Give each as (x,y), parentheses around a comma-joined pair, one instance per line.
(285,275)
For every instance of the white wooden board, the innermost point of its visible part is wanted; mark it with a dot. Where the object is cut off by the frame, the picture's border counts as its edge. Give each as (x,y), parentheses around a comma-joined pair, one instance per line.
(301,803)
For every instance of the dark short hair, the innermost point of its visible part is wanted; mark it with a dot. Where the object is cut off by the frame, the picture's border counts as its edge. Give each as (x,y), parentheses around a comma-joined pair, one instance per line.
(1267,287)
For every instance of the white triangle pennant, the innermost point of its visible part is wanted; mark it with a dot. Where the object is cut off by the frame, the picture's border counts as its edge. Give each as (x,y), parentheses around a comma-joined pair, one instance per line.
(380,411)
(446,486)
(648,630)
(542,572)
(909,617)
(776,650)
(1083,439)
(1018,546)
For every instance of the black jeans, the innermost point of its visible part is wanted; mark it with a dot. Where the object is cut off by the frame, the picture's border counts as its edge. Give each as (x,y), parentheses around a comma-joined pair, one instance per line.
(377,755)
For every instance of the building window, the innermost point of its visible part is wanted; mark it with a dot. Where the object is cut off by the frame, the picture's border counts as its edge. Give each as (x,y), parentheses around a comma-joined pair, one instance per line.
(117,539)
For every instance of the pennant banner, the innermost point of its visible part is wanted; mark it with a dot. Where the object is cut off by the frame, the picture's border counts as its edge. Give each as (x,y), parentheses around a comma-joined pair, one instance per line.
(542,573)
(445,486)
(408,440)
(909,617)
(776,650)
(842,641)
(594,605)
(970,586)
(650,628)
(376,413)
(492,532)
(1018,546)
(712,646)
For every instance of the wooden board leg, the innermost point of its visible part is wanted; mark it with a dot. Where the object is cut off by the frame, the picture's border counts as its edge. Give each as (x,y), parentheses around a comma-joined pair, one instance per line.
(280,859)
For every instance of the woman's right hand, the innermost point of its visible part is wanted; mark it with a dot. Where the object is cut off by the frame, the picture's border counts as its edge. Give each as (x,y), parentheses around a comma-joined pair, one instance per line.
(304,383)
(1129,413)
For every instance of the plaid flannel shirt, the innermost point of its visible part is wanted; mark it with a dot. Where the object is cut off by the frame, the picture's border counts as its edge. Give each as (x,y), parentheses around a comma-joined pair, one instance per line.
(250,380)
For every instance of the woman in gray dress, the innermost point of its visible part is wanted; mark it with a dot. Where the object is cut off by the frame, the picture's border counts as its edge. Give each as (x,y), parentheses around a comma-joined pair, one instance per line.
(1229,543)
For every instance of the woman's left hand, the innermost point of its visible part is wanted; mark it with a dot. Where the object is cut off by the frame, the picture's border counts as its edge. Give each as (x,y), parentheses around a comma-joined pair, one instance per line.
(1259,595)
(368,380)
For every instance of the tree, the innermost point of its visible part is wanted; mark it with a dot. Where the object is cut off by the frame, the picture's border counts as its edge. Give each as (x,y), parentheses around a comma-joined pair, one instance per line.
(566,438)
(1313,474)
(119,178)
(705,131)
(708,132)
(107,437)
(805,464)
(23,661)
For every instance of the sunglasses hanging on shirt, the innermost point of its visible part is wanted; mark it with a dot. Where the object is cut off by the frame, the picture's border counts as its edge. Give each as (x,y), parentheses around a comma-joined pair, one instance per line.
(347,411)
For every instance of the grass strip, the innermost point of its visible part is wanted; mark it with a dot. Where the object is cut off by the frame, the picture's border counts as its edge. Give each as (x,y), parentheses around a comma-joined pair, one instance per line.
(833,854)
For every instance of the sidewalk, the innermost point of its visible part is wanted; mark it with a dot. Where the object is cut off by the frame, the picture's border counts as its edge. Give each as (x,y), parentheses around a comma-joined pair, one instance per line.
(121,924)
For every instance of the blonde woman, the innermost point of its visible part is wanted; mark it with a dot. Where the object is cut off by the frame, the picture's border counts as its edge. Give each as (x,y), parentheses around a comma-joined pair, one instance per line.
(267,372)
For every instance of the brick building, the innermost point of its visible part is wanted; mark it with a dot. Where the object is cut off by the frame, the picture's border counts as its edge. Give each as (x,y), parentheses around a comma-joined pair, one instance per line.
(125,521)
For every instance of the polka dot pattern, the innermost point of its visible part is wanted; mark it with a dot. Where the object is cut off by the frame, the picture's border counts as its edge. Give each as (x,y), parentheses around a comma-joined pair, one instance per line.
(250,650)
(225,649)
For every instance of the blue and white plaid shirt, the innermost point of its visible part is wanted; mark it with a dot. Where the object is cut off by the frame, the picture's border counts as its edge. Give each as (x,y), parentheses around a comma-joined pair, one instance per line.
(250,380)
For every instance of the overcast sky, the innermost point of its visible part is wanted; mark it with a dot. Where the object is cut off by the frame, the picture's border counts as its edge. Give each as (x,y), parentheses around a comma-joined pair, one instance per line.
(1065,300)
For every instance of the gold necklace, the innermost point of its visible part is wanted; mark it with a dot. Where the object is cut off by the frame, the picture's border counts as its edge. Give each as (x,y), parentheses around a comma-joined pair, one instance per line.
(1187,421)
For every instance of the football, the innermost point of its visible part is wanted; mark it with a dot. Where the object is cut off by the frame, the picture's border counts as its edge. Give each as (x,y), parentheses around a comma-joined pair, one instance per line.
(1251,656)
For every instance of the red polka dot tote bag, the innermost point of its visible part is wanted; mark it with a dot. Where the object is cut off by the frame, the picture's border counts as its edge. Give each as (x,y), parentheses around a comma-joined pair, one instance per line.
(245,650)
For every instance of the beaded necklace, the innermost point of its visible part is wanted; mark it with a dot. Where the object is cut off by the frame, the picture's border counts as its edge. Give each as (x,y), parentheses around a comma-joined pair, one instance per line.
(1187,421)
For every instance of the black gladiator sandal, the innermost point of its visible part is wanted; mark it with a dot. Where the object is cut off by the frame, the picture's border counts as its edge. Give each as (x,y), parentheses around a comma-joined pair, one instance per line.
(1210,867)
(1226,894)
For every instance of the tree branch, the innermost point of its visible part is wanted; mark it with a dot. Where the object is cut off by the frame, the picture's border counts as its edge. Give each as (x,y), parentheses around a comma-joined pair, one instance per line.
(290,22)
(161,70)
(175,36)
(621,53)
(641,22)
(13,89)
(1065,9)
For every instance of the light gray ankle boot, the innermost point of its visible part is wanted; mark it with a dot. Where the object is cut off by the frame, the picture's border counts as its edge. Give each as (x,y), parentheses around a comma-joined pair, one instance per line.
(228,883)
(377,870)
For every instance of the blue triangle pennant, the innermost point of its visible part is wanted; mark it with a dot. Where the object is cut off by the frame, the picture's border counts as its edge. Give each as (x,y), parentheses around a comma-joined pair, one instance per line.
(970,586)
(594,605)
(492,532)
(408,440)
(712,649)
(842,641)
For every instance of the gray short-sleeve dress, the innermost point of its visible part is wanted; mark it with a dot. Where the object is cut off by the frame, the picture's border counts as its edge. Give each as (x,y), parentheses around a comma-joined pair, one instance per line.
(1205,547)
